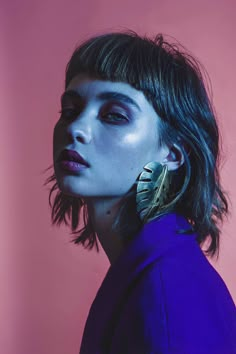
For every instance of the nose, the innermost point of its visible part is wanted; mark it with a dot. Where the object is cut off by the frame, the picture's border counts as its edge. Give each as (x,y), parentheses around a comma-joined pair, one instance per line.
(80,129)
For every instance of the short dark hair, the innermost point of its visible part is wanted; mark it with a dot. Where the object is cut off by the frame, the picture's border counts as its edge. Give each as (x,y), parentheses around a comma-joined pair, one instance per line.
(173,82)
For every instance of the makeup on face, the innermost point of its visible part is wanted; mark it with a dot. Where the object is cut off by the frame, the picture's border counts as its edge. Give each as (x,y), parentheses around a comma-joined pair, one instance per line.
(114,127)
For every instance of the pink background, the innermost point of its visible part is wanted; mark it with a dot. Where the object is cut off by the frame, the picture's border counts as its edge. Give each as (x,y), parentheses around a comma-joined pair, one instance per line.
(48,284)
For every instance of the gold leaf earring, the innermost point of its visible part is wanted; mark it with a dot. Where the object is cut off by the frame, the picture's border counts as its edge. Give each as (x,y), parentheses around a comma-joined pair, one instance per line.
(153,189)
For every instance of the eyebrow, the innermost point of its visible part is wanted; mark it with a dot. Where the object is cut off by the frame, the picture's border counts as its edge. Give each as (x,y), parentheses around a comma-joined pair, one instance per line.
(107,95)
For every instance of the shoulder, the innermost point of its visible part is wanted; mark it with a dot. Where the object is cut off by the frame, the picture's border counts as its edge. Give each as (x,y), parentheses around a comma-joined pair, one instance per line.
(191,301)
(180,304)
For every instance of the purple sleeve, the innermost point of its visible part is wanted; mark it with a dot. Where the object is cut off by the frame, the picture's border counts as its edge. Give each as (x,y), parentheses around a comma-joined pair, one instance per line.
(177,309)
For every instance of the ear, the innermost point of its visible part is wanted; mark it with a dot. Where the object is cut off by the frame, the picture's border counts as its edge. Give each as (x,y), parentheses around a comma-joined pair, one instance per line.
(173,157)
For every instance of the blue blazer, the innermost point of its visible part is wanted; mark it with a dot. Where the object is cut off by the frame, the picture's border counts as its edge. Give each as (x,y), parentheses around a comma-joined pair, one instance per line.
(161,296)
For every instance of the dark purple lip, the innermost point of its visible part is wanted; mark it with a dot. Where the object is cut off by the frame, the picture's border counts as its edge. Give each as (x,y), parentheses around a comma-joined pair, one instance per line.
(72,155)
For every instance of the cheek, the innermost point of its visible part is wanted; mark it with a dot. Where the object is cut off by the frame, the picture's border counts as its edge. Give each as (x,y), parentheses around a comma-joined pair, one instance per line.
(133,139)
(55,133)
(58,137)
(55,140)
(142,142)
(142,133)
(130,151)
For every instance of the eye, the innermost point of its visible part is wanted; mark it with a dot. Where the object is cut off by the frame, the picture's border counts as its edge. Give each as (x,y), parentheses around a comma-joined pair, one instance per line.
(68,113)
(115,118)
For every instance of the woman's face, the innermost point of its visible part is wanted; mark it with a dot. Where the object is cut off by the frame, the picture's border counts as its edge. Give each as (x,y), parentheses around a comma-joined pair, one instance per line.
(114,128)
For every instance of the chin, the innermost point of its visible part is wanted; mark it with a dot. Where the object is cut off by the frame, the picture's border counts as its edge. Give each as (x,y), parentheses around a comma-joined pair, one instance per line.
(72,191)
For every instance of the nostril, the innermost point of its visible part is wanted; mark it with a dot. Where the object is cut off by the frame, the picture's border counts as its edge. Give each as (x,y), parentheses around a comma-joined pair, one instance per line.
(83,136)
(80,129)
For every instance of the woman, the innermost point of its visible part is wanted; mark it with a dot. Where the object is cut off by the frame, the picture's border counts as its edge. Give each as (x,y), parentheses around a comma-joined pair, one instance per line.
(136,155)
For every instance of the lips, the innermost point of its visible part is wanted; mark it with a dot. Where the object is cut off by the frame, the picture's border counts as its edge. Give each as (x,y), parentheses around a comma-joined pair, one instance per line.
(72,155)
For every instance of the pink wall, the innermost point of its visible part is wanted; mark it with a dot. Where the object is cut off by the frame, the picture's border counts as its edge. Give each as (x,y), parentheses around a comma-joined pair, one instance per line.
(47,284)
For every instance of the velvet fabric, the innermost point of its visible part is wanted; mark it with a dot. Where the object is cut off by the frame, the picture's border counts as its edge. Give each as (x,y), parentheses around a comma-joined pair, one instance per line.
(161,296)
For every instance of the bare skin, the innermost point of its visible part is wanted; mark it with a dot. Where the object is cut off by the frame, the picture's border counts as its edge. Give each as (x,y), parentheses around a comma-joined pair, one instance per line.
(117,137)
(103,213)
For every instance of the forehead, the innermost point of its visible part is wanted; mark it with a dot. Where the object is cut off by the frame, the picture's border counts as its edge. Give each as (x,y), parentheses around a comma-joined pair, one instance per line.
(83,81)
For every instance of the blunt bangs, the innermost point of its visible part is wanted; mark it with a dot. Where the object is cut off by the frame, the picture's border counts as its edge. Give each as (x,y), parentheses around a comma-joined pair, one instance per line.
(119,57)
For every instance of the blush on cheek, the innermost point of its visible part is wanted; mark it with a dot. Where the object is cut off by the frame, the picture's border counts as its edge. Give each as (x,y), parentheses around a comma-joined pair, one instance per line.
(131,138)
(141,136)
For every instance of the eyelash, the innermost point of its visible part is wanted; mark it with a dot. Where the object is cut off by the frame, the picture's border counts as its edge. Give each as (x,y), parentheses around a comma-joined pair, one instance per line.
(64,111)
(73,112)
(119,117)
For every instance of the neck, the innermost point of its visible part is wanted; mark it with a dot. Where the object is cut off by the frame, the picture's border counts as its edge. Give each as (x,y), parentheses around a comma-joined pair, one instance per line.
(102,213)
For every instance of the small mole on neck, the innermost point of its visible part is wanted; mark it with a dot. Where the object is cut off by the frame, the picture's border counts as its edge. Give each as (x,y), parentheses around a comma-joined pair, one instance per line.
(108,212)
